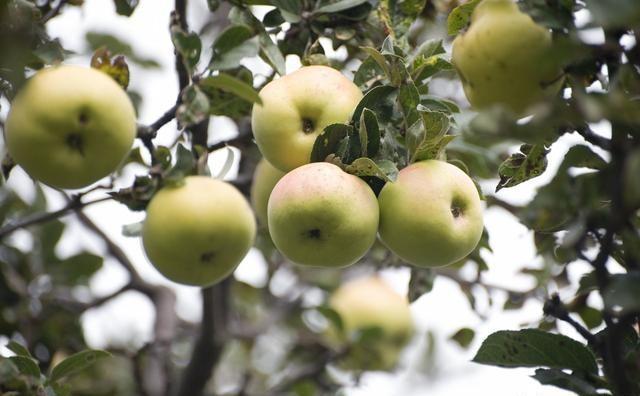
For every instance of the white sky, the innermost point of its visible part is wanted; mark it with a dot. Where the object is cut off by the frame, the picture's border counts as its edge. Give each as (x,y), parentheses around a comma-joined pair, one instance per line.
(129,318)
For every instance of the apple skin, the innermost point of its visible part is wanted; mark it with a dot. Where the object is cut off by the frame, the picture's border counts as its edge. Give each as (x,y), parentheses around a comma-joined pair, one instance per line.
(70,126)
(431,216)
(198,232)
(366,303)
(296,108)
(321,216)
(505,58)
(265,178)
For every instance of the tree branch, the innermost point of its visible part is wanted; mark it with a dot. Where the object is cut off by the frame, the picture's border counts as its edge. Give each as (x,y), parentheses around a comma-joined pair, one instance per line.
(73,204)
(554,307)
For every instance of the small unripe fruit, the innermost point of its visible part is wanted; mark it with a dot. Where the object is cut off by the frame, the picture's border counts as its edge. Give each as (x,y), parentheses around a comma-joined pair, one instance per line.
(198,232)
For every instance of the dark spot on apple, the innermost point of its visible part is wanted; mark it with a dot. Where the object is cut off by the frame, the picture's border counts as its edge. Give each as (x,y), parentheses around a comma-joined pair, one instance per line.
(314,233)
(83,118)
(75,142)
(207,257)
(307,125)
(456,211)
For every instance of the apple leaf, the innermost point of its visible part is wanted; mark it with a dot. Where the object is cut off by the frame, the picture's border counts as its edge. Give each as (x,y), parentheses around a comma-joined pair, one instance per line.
(328,141)
(76,269)
(125,7)
(232,85)
(460,17)
(368,74)
(188,45)
(420,283)
(18,349)
(383,169)
(530,162)
(115,68)
(572,382)
(463,337)
(379,59)
(290,10)
(26,365)
(338,6)
(409,99)
(194,107)
(379,100)
(332,316)
(116,45)
(369,132)
(76,363)
(622,294)
(234,44)
(535,348)
(185,163)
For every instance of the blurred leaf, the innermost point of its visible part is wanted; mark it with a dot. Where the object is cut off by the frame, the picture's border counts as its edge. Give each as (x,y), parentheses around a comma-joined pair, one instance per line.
(75,269)
(420,283)
(290,9)
(231,85)
(228,163)
(460,17)
(125,7)
(615,13)
(115,68)
(185,163)
(188,46)
(622,294)
(338,6)
(571,382)
(463,337)
(530,162)
(194,107)
(18,349)
(26,365)
(76,363)
(51,52)
(590,316)
(234,44)
(117,46)
(534,348)
(333,316)
(133,230)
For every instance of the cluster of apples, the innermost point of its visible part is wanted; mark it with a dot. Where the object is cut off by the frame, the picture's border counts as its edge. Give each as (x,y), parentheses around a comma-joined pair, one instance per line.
(319,215)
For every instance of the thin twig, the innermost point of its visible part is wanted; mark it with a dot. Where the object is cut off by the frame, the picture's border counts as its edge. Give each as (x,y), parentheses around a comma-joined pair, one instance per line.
(74,203)
(54,11)
(554,307)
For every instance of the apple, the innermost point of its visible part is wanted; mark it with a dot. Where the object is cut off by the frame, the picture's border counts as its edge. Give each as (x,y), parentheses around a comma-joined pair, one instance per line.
(505,58)
(431,215)
(70,126)
(265,178)
(196,233)
(321,216)
(366,303)
(296,108)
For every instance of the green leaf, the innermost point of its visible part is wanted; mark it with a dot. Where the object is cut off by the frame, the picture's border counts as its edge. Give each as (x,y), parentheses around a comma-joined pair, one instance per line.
(420,283)
(233,86)
(328,141)
(234,44)
(133,230)
(185,163)
(273,18)
(18,349)
(535,348)
(460,17)
(125,7)
(76,363)
(118,46)
(269,51)
(26,365)
(383,169)
(368,74)
(571,382)
(188,46)
(369,131)
(76,269)
(373,100)
(333,316)
(615,13)
(622,294)
(409,99)
(338,6)
(289,9)
(223,102)
(530,162)
(194,107)
(463,337)
(380,60)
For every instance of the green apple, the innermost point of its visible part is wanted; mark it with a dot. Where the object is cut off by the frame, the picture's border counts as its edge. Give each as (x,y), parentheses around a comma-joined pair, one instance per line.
(505,58)
(296,108)
(431,215)
(265,178)
(367,303)
(70,126)
(321,216)
(196,233)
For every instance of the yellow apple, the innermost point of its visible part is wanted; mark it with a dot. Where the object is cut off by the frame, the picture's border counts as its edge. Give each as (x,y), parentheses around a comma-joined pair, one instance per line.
(367,303)
(265,178)
(321,216)
(505,58)
(296,108)
(197,233)
(431,215)
(70,126)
